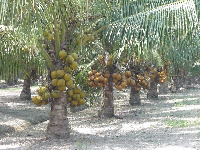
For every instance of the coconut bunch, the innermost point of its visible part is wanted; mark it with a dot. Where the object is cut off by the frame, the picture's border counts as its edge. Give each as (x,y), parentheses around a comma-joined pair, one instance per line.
(119,80)
(159,73)
(43,96)
(75,97)
(153,73)
(98,79)
(61,80)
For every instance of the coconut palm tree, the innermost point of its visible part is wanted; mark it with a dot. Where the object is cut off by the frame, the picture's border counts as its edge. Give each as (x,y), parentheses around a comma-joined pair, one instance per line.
(57,30)
(18,59)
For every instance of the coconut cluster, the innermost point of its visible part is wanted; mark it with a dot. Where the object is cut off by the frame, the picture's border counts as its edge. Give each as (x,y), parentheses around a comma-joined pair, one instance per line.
(43,96)
(61,80)
(128,79)
(137,74)
(98,79)
(120,80)
(75,97)
(160,73)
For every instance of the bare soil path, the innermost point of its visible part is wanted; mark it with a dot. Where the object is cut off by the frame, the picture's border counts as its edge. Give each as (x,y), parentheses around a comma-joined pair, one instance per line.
(170,123)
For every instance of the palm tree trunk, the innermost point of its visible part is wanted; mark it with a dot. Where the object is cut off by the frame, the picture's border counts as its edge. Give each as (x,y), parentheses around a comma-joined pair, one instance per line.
(26,91)
(107,106)
(58,127)
(164,88)
(153,93)
(134,97)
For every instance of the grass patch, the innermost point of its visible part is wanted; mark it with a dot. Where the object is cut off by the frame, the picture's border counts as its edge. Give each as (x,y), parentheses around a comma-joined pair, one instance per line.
(191,102)
(81,147)
(178,123)
(179,104)
(15,88)
(187,102)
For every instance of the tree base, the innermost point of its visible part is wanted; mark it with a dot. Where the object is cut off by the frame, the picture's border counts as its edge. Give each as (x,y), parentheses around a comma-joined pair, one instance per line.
(58,134)
(107,105)
(25,96)
(164,88)
(152,95)
(135,101)
(106,112)
(58,122)
(134,97)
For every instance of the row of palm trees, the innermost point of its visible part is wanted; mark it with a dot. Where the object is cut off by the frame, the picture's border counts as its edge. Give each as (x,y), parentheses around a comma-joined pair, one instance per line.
(153,31)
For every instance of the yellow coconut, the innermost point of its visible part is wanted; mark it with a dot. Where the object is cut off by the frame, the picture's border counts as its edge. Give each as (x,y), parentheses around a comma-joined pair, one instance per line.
(46,95)
(55,93)
(67,77)
(62,54)
(61,82)
(81,102)
(77,90)
(41,90)
(128,73)
(69,83)
(60,73)
(69,59)
(78,96)
(69,99)
(83,94)
(74,65)
(53,74)
(67,69)
(37,100)
(62,88)
(90,73)
(46,33)
(73,104)
(70,92)
(54,82)
(50,37)
(74,55)
(74,97)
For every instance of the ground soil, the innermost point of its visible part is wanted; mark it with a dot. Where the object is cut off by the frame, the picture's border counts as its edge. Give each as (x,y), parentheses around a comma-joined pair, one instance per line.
(170,123)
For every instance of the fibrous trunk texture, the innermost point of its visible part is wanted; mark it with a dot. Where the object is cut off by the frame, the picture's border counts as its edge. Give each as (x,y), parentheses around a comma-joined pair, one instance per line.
(58,127)
(134,97)
(153,93)
(26,91)
(107,106)
(178,83)
(164,88)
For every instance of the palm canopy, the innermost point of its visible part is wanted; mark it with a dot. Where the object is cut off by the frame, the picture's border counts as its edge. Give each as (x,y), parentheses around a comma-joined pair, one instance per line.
(31,19)
(154,29)
(16,59)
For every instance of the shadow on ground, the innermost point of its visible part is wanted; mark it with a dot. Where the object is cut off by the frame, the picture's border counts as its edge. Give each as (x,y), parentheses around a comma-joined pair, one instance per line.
(172,122)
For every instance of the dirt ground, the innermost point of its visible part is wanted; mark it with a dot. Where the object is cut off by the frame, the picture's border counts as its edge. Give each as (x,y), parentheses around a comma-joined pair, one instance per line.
(170,123)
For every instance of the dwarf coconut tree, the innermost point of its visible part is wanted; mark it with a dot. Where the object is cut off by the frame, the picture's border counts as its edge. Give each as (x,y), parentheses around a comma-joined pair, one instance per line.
(19,59)
(56,31)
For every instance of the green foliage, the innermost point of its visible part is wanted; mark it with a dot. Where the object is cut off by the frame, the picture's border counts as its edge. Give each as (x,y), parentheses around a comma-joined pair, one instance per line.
(178,123)
(155,30)
(18,56)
